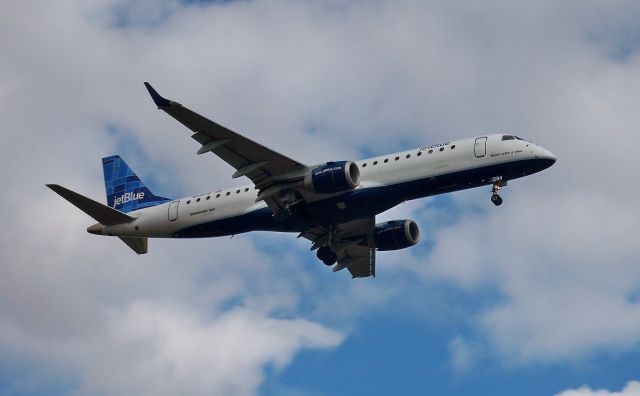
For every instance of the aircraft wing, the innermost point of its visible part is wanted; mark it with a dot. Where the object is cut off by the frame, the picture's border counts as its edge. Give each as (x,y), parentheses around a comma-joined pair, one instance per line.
(262,165)
(352,243)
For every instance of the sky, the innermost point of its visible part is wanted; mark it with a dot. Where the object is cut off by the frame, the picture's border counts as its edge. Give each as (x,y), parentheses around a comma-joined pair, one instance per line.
(540,296)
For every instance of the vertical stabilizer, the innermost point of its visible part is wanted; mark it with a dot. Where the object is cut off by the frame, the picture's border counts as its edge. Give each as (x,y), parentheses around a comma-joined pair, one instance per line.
(125,191)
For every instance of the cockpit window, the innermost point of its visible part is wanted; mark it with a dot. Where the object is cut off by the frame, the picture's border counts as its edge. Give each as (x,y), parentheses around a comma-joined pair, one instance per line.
(507,137)
(519,138)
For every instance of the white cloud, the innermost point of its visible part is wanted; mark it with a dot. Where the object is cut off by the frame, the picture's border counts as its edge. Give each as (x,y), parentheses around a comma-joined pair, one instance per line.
(147,347)
(169,351)
(631,389)
(566,276)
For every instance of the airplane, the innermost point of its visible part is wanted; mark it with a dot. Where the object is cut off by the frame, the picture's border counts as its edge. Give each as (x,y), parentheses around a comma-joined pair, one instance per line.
(331,204)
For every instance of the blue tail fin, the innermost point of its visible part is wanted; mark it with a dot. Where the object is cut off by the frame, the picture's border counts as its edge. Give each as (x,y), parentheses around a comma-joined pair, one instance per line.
(125,191)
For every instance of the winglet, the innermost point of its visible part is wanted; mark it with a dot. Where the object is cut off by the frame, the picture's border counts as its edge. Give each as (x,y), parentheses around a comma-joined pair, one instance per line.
(159,100)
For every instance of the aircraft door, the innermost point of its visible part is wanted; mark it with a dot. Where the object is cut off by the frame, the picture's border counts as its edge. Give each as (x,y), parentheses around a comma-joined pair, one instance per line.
(480,148)
(173,210)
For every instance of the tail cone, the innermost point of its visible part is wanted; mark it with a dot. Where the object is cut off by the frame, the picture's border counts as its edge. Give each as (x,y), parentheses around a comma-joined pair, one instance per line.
(95,229)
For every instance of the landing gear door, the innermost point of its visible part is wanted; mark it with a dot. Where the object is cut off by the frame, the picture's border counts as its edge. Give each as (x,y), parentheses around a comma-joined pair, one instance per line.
(480,148)
(173,210)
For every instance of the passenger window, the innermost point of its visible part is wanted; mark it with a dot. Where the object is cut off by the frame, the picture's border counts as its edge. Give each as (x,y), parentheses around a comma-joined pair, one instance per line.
(397,158)
(386,160)
(419,153)
(237,191)
(364,165)
(198,200)
(375,162)
(188,202)
(430,151)
(208,197)
(246,189)
(408,156)
(452,147)
(441,148)
(217,195)
(228,193)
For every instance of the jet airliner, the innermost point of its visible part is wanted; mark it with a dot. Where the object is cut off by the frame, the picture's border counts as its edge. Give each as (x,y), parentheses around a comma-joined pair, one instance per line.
(332,204)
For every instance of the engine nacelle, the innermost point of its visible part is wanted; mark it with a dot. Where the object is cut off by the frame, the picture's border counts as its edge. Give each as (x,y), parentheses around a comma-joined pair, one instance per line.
(333,177)
(396,234)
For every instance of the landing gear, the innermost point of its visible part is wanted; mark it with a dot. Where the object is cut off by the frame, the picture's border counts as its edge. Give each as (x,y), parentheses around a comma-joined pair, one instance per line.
(496,199)
(327,256)
(498,183)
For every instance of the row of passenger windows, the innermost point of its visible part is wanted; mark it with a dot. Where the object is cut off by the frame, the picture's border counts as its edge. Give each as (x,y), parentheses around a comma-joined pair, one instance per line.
(364,165)
(220,194)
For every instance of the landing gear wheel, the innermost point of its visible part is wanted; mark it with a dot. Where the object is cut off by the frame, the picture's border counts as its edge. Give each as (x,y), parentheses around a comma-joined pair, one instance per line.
(327,256)
(330,261)
(497,183)
(496,199)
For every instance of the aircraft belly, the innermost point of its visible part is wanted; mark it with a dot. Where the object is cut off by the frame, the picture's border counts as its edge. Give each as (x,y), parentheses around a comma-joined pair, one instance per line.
(256,220)
(361,203)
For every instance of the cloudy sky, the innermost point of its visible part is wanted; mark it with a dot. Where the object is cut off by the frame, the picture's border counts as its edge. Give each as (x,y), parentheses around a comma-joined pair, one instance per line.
(538,297)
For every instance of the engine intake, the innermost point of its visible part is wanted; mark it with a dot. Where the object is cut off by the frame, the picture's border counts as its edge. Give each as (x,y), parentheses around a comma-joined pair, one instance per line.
(333,177)
(396,234)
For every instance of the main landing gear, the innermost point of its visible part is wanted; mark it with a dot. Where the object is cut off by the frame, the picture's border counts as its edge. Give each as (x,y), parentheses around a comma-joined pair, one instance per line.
(498,183)
(326,255)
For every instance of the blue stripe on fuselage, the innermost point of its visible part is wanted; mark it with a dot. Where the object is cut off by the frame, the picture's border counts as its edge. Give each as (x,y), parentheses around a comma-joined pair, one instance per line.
(364,202)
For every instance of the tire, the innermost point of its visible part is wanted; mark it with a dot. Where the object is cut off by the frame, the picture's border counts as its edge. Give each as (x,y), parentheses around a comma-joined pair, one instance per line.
(496,199)
(327,256)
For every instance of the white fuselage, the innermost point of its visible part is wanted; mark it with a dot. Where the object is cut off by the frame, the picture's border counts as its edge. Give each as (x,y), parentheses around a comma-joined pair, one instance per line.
(458,165)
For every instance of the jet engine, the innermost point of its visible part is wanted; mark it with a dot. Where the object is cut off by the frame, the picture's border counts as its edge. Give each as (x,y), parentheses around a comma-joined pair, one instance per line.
(396,234)
(333,177)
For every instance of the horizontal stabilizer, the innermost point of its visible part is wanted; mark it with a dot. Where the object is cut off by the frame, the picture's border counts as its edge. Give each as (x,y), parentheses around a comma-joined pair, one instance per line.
(138,245)
(100,212)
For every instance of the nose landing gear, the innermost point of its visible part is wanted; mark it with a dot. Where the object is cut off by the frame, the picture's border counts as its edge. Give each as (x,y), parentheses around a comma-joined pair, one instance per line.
(496,199)
(326,255)
(498,183)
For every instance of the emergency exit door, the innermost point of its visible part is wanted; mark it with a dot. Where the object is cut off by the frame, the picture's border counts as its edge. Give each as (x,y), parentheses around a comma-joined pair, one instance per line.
(173,210)
(481,147)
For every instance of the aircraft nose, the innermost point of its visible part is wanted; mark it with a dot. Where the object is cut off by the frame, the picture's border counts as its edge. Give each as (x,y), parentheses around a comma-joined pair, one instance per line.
(547,156)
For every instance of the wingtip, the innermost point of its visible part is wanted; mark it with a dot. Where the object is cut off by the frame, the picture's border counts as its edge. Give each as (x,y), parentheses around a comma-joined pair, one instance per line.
(157,99)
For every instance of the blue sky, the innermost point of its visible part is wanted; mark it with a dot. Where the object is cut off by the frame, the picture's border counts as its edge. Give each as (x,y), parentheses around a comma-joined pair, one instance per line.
(539,296)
